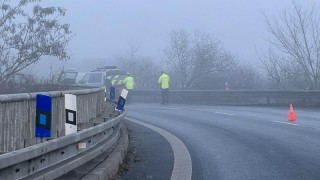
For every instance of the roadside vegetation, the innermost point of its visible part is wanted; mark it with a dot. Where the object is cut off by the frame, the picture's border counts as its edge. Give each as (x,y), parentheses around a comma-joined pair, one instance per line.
(195,60)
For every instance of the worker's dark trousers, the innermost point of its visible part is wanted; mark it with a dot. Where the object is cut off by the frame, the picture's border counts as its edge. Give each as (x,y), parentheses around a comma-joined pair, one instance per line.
(165,96)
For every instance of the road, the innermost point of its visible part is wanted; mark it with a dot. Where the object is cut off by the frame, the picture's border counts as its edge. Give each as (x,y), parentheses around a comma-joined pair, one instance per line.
(234,142)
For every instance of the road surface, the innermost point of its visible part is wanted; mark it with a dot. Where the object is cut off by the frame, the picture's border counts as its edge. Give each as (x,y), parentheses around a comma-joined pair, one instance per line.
(234,142)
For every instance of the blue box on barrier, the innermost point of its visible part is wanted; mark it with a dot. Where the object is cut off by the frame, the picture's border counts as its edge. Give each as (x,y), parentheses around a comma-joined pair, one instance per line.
(43,116)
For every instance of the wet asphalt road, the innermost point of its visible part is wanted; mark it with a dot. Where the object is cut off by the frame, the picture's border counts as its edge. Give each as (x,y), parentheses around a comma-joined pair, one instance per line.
(230,142)
(153,156)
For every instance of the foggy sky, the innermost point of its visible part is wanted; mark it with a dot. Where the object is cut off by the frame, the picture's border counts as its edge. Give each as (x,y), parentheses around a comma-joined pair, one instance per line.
(104,28)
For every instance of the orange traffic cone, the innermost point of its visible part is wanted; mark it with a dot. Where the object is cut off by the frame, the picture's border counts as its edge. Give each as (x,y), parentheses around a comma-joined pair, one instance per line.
(292,116)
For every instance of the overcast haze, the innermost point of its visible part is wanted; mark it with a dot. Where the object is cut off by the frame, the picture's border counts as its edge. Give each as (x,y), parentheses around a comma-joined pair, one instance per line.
(105,28)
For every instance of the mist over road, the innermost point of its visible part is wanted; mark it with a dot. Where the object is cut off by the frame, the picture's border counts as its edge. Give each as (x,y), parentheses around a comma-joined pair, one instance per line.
(231,142)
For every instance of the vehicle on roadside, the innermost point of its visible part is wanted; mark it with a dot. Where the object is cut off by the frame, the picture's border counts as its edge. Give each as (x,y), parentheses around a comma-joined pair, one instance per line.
(69,77)
(114,74)
(95,79)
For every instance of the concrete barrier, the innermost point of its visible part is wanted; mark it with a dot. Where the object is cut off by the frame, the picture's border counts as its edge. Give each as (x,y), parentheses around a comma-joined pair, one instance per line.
(18,113)
(56,157)
(232,97)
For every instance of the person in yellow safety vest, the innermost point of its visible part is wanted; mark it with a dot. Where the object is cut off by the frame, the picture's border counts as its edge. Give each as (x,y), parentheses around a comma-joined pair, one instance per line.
(115,79)
(129,84)
(163,82)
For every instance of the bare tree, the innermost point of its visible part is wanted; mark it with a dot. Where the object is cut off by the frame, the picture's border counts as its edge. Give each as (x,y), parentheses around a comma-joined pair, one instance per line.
(285,74)
(144,70)
(295,45)
(146,73)
(245,76)
(18,83)
(210,58)
(54,77)
(179,57)
(27,36)
(128,59)
(195,58)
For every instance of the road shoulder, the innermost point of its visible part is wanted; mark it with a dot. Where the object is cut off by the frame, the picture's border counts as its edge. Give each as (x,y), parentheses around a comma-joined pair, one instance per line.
(150,155)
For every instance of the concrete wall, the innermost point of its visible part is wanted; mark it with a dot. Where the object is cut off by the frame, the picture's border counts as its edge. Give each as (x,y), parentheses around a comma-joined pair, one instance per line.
(232,97)
(18,113)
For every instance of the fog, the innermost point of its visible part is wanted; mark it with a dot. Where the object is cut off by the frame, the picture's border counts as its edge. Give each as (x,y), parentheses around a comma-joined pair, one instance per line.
(104,29)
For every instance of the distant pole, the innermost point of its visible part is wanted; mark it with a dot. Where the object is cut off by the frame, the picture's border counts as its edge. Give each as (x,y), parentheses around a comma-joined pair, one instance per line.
(227,86)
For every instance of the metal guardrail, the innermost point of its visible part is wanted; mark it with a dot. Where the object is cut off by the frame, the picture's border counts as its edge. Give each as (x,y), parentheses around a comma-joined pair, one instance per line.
(56,157)
(303,97)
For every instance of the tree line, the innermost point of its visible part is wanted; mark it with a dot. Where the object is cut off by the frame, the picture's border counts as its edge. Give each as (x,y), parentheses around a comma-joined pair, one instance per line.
(195,60)
(292,61)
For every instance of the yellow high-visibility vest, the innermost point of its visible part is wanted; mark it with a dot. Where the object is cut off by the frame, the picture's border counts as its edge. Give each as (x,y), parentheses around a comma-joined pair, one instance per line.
(120,82)
(128,82)
(164,80)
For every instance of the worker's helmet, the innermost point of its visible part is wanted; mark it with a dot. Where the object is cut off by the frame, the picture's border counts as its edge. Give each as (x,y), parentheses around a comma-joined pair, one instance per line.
(162,72)
(128,74)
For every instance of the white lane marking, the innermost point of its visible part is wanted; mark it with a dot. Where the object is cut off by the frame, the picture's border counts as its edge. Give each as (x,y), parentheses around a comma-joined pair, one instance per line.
(229,114)
(294,124)
(182,168)
(208,110)
(173,108)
